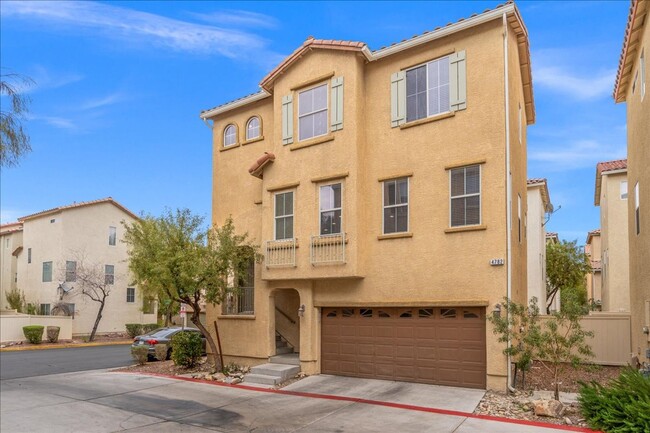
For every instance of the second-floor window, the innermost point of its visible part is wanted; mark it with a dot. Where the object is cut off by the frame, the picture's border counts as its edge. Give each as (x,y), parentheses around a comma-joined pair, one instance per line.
(427,89)
(312,112)
(229,136)
(70,271)
(47,272)
(284,215)
(112,236)
(253,128)
(29,255)
(109,274)
(130,294)
(396,205)
(330,209)
(624,190)
(637,223)
(465,196)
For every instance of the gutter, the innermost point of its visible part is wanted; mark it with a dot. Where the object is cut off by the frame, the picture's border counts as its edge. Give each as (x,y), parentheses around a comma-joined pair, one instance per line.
(262,94)
(508,185)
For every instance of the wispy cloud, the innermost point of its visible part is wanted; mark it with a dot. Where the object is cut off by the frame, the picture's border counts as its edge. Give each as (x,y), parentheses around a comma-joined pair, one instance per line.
(56,121)
(45,79)
(142,27)
(576,154)
(238,18)
(104,101)
(562,81)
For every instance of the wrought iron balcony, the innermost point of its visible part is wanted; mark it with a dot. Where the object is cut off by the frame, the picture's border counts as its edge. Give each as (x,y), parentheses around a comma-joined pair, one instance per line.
(327,249)
(280,253)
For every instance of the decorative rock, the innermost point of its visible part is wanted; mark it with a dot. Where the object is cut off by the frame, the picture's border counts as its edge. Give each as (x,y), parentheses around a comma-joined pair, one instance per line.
(233,380)
(552,408)
(568,420)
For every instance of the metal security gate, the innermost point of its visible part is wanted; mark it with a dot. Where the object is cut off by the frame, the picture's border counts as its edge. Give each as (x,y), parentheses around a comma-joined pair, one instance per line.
(441,346)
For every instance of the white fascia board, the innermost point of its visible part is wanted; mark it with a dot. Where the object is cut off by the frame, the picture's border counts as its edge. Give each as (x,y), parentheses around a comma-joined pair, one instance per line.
(445,31)
(235,104)
(610,172)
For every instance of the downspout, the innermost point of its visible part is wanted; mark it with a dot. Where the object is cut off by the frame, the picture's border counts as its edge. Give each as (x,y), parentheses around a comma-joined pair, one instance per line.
(508,186)
(207,123)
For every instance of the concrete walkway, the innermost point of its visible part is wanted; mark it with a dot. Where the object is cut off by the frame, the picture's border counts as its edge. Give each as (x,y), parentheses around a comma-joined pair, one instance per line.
(101,401)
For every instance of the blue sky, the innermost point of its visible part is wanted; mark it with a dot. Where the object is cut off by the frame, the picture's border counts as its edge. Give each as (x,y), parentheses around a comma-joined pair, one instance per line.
(119,87)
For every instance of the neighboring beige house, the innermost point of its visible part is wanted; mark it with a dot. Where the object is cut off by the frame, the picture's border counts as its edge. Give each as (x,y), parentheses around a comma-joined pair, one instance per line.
(552,237)
(57,242)
(611,195)
(387,189)
(11,241)
(632,87)
(593,250)
(539,204)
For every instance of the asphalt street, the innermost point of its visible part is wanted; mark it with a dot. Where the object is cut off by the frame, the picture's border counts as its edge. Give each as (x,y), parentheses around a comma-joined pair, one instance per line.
(28,363)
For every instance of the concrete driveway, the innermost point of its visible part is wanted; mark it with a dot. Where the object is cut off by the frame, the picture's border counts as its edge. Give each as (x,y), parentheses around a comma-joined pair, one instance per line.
(101,401)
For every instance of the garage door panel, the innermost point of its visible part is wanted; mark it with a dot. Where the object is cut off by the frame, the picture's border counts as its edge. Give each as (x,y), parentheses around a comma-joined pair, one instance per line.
(444,346)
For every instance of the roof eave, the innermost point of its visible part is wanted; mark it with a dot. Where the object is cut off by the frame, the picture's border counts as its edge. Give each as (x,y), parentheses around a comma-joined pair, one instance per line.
(262,94)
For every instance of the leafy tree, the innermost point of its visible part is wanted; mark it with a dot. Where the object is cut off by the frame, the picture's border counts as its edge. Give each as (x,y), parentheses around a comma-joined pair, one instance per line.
(566,267)
(14,141)
(16,300)
(557,342)
(175,258)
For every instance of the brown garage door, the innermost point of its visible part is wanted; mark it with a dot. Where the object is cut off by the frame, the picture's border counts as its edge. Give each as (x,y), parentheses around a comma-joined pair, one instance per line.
(441,346)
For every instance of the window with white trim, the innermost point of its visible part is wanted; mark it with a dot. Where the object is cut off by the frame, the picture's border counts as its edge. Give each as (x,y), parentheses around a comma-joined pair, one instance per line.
(29,255)
(112,236)
(44,309)
(130,294)
(109,275)
(624,190)
(396,205)
(284,215)
(47,272)
(70,271)
(253,128)
(312,112)
(427,89)
(330,209)
(465,196)
(519,216)
(229,136)
(637,215)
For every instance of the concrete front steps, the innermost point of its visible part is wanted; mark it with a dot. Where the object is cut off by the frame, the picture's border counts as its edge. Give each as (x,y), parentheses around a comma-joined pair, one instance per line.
(272,374)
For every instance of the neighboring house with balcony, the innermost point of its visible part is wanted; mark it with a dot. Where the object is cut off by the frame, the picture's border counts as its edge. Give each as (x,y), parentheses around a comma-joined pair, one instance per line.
(11,243)
(539,204)
(633,87)
(593,250)
(612,196)
(387,189)
(57,242)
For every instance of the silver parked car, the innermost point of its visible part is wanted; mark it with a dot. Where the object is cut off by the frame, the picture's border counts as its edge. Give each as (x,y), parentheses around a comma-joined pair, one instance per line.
(163,336)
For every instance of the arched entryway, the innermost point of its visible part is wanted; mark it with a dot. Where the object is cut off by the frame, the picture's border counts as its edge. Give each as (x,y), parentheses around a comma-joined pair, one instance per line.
(286,305)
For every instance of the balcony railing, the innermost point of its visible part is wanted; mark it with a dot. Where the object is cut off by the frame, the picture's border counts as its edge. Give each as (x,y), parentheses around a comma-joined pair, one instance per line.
(326,249)
(280,253)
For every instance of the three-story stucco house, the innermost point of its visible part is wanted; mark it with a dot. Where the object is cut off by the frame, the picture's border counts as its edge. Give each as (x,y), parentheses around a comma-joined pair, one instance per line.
(632,87)
(611,195)
(57,243)
(539,204)
(387,190)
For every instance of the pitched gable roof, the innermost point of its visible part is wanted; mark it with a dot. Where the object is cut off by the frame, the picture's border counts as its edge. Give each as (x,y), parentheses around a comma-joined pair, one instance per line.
(635,22)
(606,167)
(77,205)
(546,197)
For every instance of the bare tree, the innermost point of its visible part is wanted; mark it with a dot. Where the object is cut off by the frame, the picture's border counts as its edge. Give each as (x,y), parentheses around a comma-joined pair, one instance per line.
(14,141)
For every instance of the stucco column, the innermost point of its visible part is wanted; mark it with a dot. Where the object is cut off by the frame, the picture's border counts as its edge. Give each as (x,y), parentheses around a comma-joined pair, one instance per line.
(309,331)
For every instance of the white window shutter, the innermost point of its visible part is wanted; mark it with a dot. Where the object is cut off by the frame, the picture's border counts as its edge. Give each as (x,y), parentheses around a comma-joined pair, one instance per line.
(287,119)
(457,81)
(336,117)
(398,98)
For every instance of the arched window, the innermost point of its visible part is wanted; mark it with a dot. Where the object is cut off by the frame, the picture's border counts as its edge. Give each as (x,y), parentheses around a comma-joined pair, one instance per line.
(229,136)
(253,128)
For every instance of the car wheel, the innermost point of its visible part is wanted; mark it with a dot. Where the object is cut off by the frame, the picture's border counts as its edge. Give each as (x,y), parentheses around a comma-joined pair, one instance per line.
(169,353)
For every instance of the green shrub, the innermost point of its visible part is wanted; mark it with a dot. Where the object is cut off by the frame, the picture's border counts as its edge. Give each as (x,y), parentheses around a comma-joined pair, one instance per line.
(186,348)
(148,327)
(34,333)
(133,329)
(140,354)
(161,352)
(52,333)
(621,407)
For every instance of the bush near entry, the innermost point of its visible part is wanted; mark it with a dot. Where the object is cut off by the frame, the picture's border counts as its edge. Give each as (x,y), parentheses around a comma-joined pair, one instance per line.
(140,354)
(186,348)
(621,407)
(34,333)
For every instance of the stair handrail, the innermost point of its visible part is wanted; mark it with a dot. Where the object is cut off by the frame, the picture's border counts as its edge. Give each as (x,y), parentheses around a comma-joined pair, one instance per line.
(285,339)
(293,322)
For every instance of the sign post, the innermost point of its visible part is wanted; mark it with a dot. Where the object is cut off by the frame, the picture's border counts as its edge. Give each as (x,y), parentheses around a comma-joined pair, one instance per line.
(183,314)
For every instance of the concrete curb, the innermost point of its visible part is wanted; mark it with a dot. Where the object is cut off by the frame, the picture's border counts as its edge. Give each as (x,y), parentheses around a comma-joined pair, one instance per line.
(65,346)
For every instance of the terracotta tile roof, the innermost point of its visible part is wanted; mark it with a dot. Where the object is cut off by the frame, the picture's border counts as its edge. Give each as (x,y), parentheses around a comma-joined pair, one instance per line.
(595,232)
(535,180)
(633,30)
(8,228)
(76,205)
(604,167)
(257,168)
(546,197)
(552,236)
(596,265)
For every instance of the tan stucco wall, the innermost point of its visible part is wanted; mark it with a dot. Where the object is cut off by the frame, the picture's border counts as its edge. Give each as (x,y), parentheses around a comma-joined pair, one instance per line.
(638,158)
(77,233)
(614,244)
(536,237)
(428,267)
(594,279)
(9,241)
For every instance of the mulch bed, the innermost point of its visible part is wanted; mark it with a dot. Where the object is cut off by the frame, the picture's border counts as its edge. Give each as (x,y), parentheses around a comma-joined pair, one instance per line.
(539,378)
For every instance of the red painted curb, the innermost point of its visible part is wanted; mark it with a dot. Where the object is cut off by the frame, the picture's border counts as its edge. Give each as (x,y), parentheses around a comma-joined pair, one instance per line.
(374,402)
